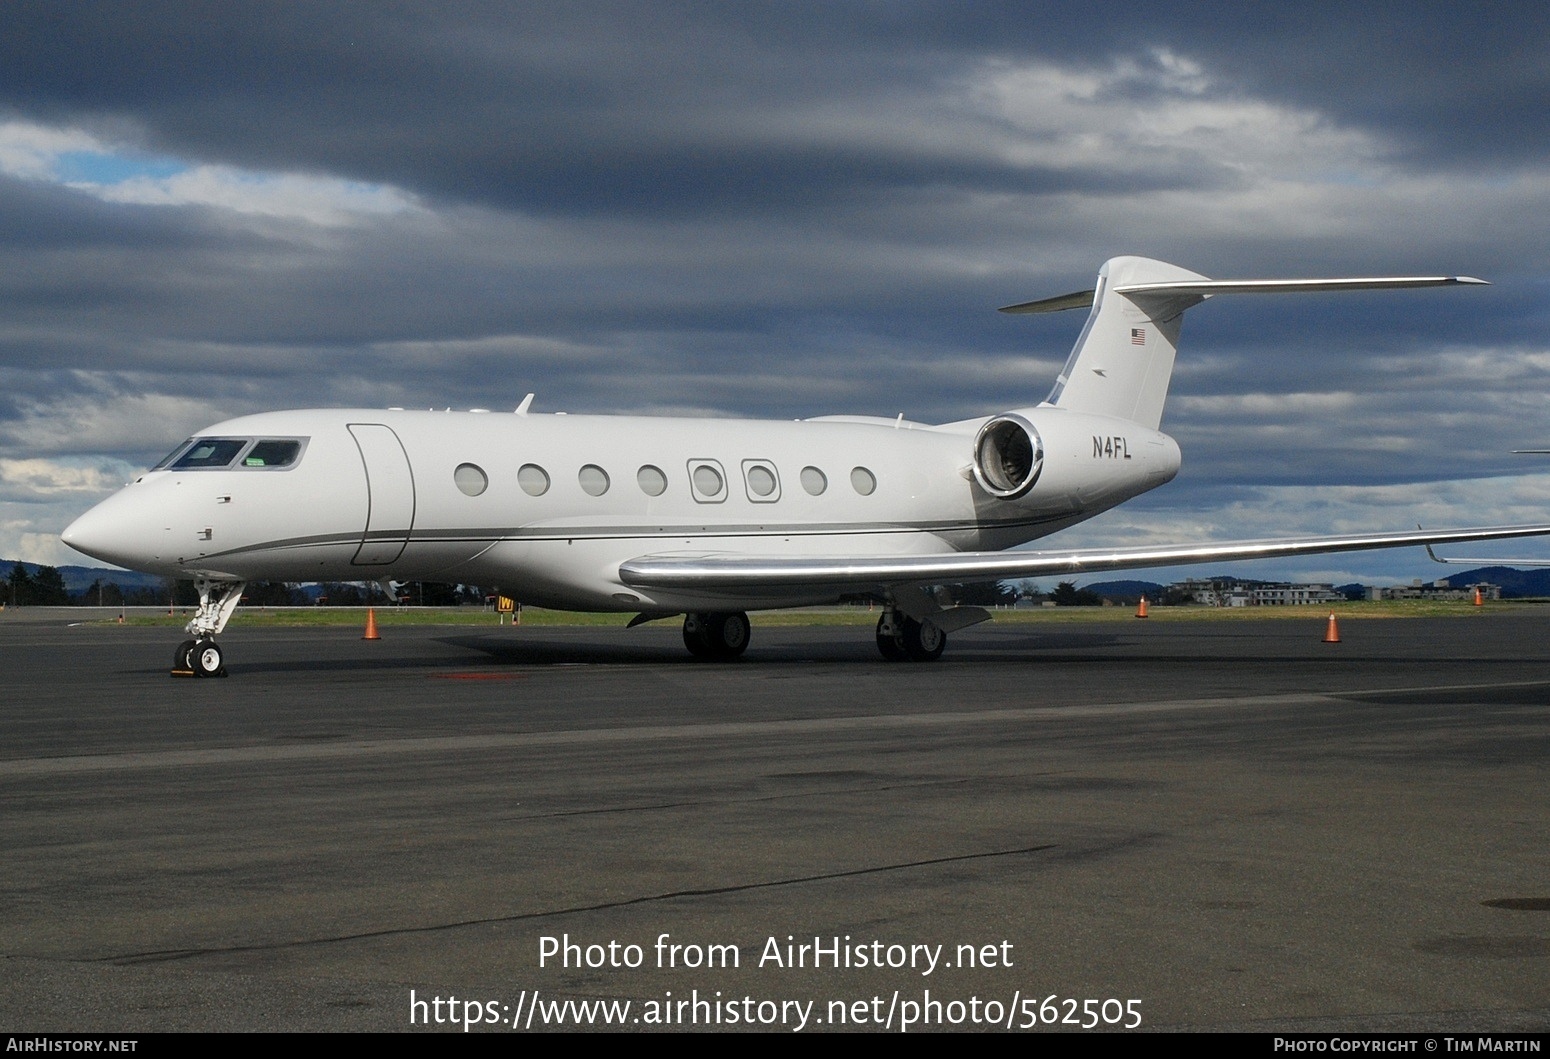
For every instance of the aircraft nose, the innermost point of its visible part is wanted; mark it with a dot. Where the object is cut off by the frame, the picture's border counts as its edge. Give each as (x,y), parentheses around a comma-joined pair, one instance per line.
(91,534)
(117,531)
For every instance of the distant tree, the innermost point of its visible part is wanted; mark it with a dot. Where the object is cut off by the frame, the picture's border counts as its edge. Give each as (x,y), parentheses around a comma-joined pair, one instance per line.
(985,594)
(140,596)
(343,594)
(48,588)
(1066,594)
(270,594)
(21,586)
(433,594)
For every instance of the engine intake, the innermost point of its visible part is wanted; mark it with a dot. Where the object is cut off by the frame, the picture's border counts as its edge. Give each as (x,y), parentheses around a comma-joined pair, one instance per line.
(1008,455)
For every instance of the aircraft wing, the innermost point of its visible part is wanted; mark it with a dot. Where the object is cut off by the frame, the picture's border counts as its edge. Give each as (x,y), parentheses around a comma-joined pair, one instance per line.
(734,572)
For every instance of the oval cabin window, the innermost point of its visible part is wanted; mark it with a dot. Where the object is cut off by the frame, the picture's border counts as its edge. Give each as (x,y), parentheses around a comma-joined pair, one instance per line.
(593,479)
(533,479)
(652,481)
(471,481)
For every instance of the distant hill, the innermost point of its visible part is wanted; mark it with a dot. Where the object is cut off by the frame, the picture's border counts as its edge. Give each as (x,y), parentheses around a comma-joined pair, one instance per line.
(79,578)
(1128,591)
(1516,584)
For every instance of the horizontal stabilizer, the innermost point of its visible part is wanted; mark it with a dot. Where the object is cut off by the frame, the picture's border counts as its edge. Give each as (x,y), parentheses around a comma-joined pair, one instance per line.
(744,573)
(1082,299)
(1122,362)
(1206,288)
(1294,286)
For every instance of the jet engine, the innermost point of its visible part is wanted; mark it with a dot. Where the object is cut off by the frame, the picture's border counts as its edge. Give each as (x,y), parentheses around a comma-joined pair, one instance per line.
(1008,455)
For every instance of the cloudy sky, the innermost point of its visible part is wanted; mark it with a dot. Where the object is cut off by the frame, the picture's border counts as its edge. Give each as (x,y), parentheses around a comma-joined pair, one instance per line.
(785,210)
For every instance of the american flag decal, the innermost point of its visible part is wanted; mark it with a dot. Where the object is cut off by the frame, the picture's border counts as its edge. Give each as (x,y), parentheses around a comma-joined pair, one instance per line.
(1138,336)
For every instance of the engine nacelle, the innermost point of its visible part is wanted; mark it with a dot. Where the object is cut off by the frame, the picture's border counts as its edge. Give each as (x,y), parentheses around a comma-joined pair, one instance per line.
(1057,463)
(1008,456)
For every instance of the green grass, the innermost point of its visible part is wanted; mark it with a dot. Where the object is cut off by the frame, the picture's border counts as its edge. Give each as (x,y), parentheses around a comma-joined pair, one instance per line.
(302,617)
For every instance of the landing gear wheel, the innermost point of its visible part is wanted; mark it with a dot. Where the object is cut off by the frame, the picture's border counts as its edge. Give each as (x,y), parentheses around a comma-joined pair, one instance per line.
(207,660)
(722,637)
(183,658)
(694,635)
(923,641)
(889,643)
(728,633)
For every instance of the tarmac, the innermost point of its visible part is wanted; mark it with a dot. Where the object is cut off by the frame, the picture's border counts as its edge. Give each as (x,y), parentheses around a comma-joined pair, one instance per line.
(1181,825)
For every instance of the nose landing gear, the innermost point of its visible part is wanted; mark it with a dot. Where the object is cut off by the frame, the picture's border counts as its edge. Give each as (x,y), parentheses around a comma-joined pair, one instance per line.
(201,656)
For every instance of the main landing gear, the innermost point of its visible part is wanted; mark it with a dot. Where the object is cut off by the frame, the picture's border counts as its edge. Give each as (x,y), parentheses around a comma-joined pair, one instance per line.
(201,657)
(716,637)
(900,638)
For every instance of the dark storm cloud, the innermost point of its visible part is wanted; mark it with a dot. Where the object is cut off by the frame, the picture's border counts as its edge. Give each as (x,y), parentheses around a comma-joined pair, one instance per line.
(1457,86)
(690,107)
(38,217)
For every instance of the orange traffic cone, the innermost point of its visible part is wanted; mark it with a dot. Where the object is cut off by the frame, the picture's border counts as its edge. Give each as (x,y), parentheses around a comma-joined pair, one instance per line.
(1332,634)
(1141,608)
(1479,598)
(371,625)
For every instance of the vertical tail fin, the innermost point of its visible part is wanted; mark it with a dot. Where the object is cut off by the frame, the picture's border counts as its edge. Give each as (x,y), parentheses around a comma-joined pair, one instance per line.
(1123,360)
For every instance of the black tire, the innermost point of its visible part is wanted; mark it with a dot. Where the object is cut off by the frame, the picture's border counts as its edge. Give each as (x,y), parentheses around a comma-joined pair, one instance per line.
(888,643)
(694,635)
(923,641)
(207,659)
(728,634)
(716,637)
(183,657)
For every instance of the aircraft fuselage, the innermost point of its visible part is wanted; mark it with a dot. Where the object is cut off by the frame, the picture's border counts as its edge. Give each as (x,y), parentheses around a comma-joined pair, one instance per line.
(548,506)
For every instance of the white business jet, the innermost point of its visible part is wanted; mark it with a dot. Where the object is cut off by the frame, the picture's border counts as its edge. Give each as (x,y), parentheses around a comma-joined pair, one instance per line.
(701,517)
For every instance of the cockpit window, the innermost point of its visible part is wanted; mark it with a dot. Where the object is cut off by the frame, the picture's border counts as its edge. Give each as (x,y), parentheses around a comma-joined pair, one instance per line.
(210,452)
(272,454)
(214,454)
(165,460)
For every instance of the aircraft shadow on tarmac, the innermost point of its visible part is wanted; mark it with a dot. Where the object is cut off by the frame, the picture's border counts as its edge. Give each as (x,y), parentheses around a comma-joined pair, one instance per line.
(610,647)
(791,647)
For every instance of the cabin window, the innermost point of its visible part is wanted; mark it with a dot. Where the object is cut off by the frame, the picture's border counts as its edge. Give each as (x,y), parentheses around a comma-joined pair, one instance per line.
(471,481)
(533,479)
(863,481)
(762,481)
(275,452)
(652,481)
(707,481)
(210,452)
(814,481)
(593,479)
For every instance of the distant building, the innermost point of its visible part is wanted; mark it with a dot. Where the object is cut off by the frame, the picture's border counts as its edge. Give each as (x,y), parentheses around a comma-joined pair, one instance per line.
(1212,592)
(1437,590)
(1234,592)
(1288,595)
